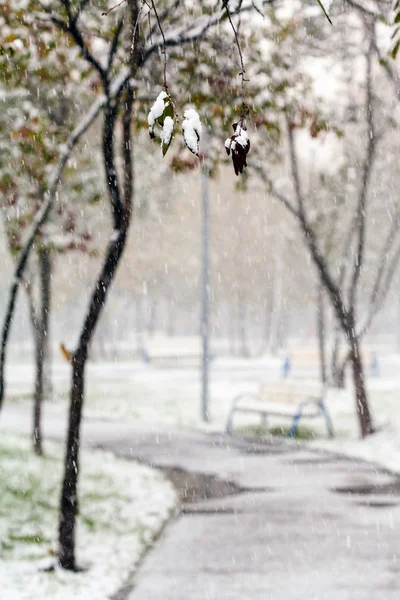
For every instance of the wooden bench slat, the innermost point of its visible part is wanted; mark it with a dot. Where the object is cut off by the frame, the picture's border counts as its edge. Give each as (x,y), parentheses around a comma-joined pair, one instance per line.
(275,409)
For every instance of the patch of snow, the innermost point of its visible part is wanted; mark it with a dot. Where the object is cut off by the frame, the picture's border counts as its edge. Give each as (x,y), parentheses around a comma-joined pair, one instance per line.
(122,506)
(191,127)
(115,235)
(242,138)
(167,131)
(157,109)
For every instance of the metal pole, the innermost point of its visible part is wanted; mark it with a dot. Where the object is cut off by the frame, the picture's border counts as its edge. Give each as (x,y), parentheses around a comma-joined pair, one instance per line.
(205,291)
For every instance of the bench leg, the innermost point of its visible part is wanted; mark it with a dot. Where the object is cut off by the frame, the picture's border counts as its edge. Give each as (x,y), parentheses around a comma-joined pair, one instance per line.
(295,424)
(328,421)
(296,419)
(229,421)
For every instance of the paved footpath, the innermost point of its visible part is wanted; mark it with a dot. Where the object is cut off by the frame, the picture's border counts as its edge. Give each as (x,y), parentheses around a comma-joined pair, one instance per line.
(259,521)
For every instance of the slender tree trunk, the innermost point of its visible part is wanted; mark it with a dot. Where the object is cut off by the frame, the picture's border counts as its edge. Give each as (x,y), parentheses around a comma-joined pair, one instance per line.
(139,322)
(339,375)
(69,497)
(121,203)
(69,492)
(38,398)
(321,332)
(334,370)
(276,314)
(46,275)
(41,351)
(242,314)
(364,415)
(171,324)
(269,306)
(151,323)
(232,329)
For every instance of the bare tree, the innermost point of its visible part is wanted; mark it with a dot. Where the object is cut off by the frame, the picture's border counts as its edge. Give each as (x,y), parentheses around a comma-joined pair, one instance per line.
(343,289)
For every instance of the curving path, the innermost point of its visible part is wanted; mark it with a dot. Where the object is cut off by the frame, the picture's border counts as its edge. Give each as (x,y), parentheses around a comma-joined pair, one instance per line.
(259,521)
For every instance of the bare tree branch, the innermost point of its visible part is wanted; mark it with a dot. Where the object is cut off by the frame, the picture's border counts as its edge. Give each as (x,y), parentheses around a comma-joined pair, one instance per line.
(365,180)
(193,31)
(71,27)
(319,259)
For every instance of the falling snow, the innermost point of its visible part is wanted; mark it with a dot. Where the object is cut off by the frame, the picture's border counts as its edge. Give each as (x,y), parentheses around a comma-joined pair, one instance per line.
(199,365)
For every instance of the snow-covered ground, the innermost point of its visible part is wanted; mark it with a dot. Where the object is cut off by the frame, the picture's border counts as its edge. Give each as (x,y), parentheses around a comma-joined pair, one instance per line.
(171,397)
(123,505)
(384,446)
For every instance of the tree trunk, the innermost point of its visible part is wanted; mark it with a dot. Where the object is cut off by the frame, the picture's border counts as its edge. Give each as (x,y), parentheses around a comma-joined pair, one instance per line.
(338,375)
(363,412)
(41,350)
(69,492)
(121,204)
(242,318)
(69,498)
(38,398)
(232,330)
(152,320)
(140,338)
(171,323)
(46,275)
(321,332)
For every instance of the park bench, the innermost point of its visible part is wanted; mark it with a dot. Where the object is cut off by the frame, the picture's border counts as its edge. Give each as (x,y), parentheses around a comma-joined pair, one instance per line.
(295,400)
(301,360)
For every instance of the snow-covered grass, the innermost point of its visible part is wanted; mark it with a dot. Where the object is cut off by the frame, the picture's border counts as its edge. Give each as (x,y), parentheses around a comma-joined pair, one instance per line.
(382,447)
(171,397)
(123,506)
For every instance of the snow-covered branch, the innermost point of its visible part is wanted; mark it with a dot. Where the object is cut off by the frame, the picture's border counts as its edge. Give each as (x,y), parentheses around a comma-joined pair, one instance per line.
(190,32)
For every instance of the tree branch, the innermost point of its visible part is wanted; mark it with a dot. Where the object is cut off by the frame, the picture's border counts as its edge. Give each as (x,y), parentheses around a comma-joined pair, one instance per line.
(194,31)
(72,28)
(365,180)
(311,240)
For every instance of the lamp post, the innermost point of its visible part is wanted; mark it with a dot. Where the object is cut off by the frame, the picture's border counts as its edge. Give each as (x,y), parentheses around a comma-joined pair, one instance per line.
(205,288)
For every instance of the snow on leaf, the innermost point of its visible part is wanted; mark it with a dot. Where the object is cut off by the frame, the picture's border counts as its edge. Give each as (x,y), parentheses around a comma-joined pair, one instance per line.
(161,108)
(167,134)
(191,128)
(157,109)
(162,113)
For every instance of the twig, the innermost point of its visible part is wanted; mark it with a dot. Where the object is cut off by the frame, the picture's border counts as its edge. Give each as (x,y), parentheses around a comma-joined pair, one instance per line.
(325,11)
(191,31)
(257,9)
(164,50)
(132,52)
(242,73)
(104,14)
